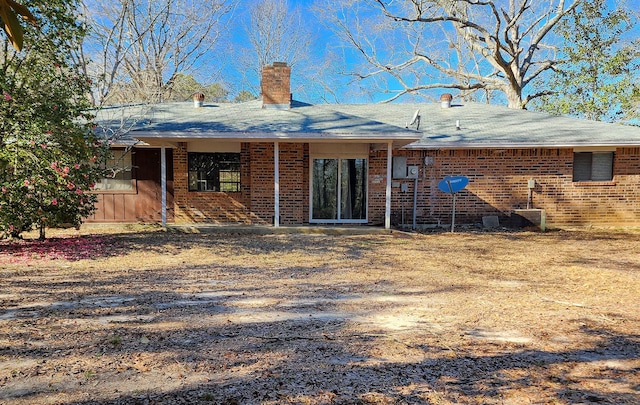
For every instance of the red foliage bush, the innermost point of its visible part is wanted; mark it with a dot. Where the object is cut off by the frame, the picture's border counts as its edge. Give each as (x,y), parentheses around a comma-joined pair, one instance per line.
(63,248)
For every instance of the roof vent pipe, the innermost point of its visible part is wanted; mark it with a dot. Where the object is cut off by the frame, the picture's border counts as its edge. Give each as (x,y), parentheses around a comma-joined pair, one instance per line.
(198,100)
(445,100)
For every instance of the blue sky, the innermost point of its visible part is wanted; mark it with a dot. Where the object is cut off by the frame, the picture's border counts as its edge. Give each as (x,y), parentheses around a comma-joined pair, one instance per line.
(323,40)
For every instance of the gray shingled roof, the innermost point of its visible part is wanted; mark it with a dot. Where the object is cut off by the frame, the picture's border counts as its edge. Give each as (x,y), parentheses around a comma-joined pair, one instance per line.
(481,125)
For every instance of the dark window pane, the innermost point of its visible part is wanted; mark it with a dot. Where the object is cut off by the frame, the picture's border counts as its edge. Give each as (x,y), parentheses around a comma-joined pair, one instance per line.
(593,166)
(582,166)
(214,172)
(325,189)
(602,166)
(354,189)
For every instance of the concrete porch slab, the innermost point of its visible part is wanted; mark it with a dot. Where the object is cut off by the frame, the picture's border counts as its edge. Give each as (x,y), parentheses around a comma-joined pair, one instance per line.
(267,230)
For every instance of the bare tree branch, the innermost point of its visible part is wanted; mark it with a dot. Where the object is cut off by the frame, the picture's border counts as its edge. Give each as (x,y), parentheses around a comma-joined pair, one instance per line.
(498,44)
(277,32)
(141,45)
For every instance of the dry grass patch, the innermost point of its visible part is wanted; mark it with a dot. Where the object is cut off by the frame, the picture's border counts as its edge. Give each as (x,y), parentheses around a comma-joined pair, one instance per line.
(477,318)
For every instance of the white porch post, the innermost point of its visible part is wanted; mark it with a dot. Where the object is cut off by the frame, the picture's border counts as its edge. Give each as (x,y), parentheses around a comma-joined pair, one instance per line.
(387,206)
(276,178)
(163,183)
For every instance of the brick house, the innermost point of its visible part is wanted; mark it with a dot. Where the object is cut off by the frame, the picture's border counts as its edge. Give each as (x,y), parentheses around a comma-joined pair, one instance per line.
(283,162)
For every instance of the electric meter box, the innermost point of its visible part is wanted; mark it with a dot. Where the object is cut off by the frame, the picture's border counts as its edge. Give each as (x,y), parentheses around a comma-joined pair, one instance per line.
(399,167)
(412,172)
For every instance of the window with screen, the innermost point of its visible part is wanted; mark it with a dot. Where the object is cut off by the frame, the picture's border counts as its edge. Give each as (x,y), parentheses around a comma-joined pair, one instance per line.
(118,172)
(214,172)
(593,166)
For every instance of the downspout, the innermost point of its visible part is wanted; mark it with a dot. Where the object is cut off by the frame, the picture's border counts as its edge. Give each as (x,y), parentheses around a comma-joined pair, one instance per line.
(415,202)
(276,178)
(387,204)
(163,183)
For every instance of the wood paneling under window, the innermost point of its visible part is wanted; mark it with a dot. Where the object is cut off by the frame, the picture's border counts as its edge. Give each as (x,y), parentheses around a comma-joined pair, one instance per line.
(144,202)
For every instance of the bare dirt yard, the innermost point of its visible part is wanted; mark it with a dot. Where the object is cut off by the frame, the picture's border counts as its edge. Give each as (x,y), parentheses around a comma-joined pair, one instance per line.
(143,316)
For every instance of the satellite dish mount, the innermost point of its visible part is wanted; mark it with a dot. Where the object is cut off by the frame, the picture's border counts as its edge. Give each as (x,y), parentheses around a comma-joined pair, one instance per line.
(451,185)
(415,120)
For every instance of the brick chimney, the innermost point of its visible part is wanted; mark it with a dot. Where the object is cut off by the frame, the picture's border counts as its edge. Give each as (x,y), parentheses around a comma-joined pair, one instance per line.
(276,86)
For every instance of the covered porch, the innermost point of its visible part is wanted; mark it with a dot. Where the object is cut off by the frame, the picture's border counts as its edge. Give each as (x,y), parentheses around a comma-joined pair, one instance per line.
(281,178)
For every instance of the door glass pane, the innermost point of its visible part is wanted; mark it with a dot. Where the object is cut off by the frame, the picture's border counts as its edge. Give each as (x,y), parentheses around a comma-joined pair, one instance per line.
(325,189)
(353,189)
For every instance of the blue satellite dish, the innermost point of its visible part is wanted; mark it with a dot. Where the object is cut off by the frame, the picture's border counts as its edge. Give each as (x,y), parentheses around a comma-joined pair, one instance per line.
(453,184)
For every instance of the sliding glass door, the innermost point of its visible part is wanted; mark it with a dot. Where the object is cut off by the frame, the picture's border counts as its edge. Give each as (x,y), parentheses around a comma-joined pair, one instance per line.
(339,190)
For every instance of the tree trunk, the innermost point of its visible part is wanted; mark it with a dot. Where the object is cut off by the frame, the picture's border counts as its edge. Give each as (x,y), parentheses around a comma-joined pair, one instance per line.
(42,231)
(514,98)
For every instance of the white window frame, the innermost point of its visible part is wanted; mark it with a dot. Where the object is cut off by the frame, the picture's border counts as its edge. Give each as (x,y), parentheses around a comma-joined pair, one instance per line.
(594,152)
(122,159)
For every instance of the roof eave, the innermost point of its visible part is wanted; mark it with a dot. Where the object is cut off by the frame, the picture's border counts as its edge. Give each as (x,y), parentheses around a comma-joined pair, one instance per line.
(508,145)
(399,138)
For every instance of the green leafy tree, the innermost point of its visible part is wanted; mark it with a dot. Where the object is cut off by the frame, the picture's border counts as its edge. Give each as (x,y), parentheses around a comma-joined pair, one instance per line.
(595,79)
(49,155)
(216,92)
(633,114)
(244,96)
(184,86)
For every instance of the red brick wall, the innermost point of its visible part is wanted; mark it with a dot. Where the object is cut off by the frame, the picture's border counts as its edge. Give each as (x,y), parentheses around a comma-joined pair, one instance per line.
(180,178)
(254,204)
(498,185)
(206,207)
(294,189)
(262,182)
(276,84)
(377,186)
